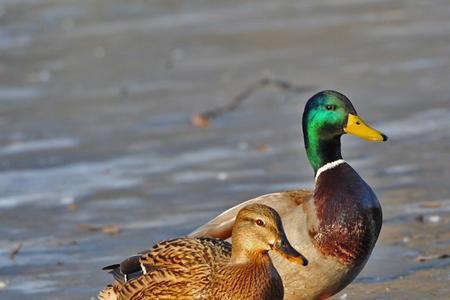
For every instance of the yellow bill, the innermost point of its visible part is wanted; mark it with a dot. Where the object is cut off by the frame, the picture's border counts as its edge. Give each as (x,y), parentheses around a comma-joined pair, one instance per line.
(357,127)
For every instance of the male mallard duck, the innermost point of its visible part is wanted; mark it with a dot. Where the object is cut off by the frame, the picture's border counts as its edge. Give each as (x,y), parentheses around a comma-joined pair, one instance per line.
(208,268)
(336,225)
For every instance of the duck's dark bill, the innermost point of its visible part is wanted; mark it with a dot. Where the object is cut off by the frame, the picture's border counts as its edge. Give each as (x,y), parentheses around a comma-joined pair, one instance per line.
(357,127)
(287,251)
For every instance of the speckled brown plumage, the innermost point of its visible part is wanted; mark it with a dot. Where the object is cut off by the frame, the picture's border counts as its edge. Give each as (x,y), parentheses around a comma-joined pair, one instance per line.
(246,281)
(208,268)
(172,266)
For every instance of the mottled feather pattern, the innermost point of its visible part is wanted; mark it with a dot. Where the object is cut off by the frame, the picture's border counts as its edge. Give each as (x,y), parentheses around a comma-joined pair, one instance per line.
(243,280)
(187,252)
(109,293)
(173,266)
(198,268)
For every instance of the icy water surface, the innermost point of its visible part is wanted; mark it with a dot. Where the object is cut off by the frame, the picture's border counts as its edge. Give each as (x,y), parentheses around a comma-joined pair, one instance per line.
(95,106)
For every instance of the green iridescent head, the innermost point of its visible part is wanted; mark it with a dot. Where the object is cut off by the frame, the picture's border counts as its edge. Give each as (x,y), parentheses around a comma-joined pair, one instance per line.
(327,116)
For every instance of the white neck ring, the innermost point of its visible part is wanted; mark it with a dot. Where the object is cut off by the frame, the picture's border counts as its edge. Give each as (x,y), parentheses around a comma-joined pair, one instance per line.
(328,166)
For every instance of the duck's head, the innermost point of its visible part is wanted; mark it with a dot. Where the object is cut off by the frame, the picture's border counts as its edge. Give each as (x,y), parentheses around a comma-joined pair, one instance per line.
(327,116)
(258,229)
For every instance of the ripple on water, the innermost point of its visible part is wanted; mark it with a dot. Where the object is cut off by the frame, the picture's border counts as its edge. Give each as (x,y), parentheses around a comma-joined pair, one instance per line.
(392,262)
(31,285)
(67,182)
(38,145)
(433,122)
(74,181)
(18,93)
(386,263)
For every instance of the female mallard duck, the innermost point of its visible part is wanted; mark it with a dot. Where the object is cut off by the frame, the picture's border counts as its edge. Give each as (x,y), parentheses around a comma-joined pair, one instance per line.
(336,225)
(201,268)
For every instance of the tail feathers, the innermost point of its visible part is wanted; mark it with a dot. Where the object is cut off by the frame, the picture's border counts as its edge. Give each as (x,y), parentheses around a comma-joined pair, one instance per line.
(117,274)
(107,294)
(120,277)
(128,269)
(111,267)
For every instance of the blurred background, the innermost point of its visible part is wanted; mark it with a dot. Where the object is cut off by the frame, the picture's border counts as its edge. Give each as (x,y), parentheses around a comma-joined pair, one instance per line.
(99,159)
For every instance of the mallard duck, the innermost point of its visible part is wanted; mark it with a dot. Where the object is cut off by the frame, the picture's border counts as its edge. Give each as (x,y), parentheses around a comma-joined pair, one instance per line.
(336,225)
(209,268)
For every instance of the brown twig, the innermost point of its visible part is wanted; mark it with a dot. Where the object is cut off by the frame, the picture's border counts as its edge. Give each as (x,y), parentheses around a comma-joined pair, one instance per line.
(422,258)
(203,119)
(15,251)
(106,229)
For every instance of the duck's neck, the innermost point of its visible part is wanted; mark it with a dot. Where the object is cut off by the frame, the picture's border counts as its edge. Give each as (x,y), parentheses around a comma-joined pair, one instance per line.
(241,255)
(251,275)
(321,151)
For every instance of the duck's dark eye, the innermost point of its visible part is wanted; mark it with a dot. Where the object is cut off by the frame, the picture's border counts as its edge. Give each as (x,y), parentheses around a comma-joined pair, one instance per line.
(330,107)
(259,222)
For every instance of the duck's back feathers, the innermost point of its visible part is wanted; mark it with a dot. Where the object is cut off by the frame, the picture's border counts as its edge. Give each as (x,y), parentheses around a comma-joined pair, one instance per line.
(168,266)
(282,202)
(187,251)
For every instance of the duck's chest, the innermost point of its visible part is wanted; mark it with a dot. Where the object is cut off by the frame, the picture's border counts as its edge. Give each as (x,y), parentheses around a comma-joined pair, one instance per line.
(322,278)
(345,217)
(336,230)
(253,282)
(337,247)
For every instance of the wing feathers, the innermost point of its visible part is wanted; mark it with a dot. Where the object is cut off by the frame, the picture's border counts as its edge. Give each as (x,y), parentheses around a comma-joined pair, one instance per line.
(222,225)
